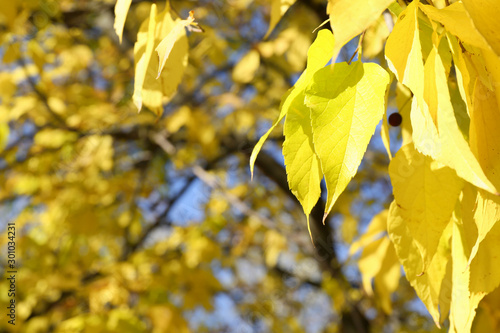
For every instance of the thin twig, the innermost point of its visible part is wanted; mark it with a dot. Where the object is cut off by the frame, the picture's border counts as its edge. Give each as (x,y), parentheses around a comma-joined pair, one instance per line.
(161,221)
(358,49)
(163,142)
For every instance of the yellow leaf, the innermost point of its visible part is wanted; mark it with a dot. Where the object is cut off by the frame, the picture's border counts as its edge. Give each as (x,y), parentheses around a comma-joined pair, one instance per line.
(121,11)
(492,64)
(430,89)
(274,244)
(142,58)
(302,163)
(455,151)
(426,192)
(318,56)
(476,280)
(371,261)
(483,133)
(166,45)
(178,119)
(404,102)
(278,9)
(404,52)
(432,287)
(486,215)
(485,14)
(54,138)
(375,37)
(4,135)
(387,280)
(384,131)
(8,12)
(463,303)
(245,69)
(350,18)
(404,56)
(457,21)
(155,92)
(462,71)
(377,226)
(12,52)
(347,103)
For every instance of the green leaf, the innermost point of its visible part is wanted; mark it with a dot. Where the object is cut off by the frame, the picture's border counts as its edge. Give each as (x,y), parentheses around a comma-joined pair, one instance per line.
(347,102)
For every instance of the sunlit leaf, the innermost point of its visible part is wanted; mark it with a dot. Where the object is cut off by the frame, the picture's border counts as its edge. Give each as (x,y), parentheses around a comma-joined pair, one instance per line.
(302,164)
(484,13)
(426,193)
(457,21)
(142,62)
(347,103)
(350,18)
(166,45)
(121,11)
(433,286)
(318,56)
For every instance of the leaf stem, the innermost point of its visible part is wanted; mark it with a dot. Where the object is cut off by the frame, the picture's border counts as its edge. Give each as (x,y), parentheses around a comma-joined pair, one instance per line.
(358,49)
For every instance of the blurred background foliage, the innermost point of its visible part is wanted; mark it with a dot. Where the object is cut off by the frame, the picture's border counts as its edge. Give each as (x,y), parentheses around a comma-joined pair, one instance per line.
(132,222)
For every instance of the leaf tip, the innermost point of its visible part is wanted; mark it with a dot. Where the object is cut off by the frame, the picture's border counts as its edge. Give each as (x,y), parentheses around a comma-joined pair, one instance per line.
(309,229)
(324,217)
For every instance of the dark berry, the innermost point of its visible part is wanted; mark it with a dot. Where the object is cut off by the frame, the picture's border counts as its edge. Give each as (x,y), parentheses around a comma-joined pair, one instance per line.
(395,119)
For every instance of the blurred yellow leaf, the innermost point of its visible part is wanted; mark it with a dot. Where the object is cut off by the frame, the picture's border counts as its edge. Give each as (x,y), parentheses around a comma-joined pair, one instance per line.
(245,69)
(121,11)
(4,135)
(142,53)
(278,9)
(377,226)
(166,45)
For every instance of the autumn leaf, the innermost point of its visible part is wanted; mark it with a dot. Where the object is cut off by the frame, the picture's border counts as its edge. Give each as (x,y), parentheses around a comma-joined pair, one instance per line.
(350,18)
(166,45)
(143,61)
(318,56)
(278,9)
(347,103)
(483,14)
(121,11)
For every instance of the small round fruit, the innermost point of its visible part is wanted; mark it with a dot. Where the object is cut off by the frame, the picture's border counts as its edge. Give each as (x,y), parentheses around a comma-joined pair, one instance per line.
(395,119)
